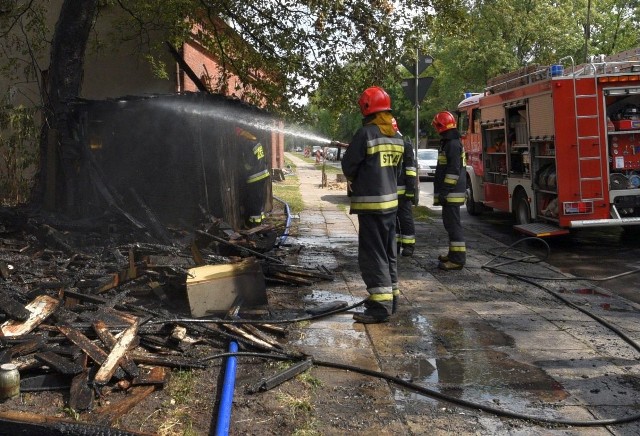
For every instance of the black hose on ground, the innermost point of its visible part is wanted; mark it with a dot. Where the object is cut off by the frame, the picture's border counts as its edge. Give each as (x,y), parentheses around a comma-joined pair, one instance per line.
(308,317)
(460,402)
(529,279)
(432,393)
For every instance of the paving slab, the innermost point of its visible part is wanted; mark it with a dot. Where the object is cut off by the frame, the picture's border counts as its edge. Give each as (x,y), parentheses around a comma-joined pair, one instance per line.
(473,335)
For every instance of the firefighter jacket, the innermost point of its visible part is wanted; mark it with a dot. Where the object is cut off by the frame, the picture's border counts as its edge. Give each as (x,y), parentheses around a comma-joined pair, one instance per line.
(254,162)
(408,172)
(450,180)
(371,165)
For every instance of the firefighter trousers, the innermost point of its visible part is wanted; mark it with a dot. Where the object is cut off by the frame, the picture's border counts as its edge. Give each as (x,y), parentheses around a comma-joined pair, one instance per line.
(255,201)
(453,226)
(405,227)
(377,253)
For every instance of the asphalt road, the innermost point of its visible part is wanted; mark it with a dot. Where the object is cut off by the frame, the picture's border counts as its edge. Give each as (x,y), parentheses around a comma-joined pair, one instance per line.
(587,253)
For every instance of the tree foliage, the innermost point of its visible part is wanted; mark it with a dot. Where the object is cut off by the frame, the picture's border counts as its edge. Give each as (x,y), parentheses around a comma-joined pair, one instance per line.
(492,37)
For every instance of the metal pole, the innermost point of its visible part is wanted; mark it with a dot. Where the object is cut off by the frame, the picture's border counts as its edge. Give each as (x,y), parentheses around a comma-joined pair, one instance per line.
(587,33)
(417,140)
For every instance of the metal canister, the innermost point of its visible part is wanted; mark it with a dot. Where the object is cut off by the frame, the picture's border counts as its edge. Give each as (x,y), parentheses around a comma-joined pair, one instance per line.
(9,381)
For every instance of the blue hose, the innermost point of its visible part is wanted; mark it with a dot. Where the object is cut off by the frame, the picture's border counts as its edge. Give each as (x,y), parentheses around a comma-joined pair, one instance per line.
(285,234)
(226,397)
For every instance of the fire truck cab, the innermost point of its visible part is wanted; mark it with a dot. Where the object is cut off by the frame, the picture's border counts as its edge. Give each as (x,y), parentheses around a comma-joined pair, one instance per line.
(557,146)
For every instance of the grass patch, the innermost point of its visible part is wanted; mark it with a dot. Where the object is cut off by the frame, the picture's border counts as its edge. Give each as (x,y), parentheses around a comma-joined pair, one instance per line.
(296,405)
(310,380)
(181,385)
(176,412)
(288,190)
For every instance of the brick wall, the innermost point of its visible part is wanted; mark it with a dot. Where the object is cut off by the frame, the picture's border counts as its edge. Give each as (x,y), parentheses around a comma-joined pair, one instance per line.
(207,68)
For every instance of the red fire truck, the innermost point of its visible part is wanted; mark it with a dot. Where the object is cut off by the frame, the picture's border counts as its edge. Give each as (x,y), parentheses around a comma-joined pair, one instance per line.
(557,146)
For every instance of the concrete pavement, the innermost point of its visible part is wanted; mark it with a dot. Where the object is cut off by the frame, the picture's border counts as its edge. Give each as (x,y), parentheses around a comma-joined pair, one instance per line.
(472,335)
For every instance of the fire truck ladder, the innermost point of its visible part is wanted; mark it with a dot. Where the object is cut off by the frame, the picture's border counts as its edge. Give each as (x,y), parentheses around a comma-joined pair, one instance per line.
(587,113)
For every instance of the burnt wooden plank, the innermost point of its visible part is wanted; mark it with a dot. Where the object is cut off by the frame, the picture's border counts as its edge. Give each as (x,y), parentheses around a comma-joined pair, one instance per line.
(291,278)
(45,382)
(112,361)
(156,375)
(107,283)
(168,361)
(107,415)
(59,363)
(13,422)
(96,353)
(104,334)
(12,308)
(92,350)
(21,349)
(276,329)
(40,307)
(261,335)
(81,394)
(249,338)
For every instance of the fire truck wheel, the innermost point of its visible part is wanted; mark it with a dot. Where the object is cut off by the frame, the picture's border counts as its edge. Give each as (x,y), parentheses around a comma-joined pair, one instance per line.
(474,208)
(521,210)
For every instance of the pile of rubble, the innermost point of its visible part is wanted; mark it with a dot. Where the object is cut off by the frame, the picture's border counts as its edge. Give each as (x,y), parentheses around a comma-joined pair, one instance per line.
(88,311)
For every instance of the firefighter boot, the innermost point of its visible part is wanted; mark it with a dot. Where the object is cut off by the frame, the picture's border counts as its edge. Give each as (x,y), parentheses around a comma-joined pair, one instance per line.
(450,266)
(374,312)
(443,258)
(407,251)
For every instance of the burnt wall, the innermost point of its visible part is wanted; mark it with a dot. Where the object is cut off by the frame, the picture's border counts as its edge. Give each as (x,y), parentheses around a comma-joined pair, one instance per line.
(174,155)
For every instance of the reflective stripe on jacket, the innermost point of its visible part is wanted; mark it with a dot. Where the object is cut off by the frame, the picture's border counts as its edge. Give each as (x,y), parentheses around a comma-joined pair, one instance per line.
(254,158)
(371,163)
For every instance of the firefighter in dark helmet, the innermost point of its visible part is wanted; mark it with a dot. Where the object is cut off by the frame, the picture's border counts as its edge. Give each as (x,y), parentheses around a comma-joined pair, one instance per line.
(256,176)
(449,187)
(371,164)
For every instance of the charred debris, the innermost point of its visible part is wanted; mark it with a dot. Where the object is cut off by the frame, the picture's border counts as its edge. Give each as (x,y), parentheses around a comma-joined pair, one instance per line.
(103,304)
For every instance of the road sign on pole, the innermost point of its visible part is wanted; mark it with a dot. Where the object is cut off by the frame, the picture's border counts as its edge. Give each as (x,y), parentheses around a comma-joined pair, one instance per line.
(415,90)
(423,63)
(409,87)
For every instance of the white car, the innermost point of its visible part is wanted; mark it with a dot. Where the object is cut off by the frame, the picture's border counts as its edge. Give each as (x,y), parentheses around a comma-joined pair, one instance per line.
(427,161)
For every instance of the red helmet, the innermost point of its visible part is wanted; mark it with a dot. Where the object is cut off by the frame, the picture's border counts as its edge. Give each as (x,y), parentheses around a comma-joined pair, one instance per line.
(374,99)
(444,121)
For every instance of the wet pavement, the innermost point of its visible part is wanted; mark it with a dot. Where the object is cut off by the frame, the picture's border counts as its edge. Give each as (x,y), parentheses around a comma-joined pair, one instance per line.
(480,336)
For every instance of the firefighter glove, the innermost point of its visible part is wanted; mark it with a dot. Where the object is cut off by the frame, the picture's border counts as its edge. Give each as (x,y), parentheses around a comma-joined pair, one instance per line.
(442,198)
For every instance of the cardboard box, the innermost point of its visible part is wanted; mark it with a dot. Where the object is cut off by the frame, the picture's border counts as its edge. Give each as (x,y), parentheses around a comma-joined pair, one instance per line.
(212,289)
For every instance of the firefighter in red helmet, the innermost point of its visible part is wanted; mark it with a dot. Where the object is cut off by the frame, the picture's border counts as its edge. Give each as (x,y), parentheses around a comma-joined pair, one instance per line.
(449,187)
(371,164)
